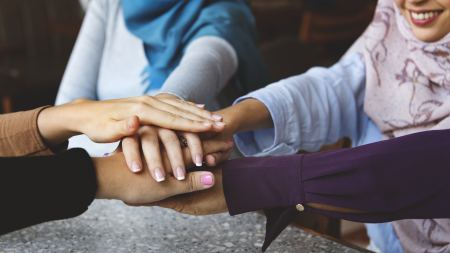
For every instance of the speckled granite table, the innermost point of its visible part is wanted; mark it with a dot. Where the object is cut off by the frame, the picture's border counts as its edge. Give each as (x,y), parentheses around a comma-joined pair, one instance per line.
(110,226)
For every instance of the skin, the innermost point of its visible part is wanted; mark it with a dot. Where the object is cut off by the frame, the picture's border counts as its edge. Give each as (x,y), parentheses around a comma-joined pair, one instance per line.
(247,115)
(116,182)
(113,120)
(435,31)
(147,141)
(252,114)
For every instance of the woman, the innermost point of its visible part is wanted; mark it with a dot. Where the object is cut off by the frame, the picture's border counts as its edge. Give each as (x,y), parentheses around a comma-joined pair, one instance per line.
(57,184)
(395,84)
(188,50)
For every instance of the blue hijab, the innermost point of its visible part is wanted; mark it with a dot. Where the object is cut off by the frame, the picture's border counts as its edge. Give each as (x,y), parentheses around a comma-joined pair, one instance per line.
(166,27)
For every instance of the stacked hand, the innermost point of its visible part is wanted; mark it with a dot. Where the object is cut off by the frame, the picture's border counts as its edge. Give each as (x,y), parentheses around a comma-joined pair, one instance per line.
(139,189)
(151,139)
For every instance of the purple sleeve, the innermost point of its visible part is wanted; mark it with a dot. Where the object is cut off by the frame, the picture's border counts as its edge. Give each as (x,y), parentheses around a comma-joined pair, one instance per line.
(403,178)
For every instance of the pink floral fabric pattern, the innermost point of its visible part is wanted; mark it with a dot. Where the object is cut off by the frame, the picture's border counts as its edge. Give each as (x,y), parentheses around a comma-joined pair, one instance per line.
(408,91)
(408,81)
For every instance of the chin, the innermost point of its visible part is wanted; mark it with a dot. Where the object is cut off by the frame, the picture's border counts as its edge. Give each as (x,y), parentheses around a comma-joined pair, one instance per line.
(428,36)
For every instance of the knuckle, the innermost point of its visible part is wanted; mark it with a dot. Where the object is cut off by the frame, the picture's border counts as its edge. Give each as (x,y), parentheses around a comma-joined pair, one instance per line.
(191,184)
(140,107)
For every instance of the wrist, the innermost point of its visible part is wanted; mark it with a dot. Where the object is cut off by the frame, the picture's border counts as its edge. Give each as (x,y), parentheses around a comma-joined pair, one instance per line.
(108,177)
(250,114)
(54,126)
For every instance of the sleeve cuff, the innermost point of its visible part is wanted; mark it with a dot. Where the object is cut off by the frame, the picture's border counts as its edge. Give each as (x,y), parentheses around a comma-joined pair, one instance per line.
(252,184)
(55,187)
(265,142)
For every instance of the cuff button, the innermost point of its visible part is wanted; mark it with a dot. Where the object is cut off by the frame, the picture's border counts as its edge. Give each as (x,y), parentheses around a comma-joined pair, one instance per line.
(300,207)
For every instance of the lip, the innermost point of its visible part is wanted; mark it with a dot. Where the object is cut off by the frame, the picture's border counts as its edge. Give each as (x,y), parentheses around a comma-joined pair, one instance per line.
(424,22)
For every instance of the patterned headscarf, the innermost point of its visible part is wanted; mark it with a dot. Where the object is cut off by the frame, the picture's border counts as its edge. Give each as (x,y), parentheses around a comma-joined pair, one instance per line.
(408,80)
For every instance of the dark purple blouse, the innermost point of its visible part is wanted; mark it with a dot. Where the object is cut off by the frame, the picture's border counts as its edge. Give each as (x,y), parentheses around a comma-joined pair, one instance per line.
(403,178)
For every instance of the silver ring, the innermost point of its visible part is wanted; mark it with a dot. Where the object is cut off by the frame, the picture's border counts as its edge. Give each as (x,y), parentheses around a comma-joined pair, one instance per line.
(183,141)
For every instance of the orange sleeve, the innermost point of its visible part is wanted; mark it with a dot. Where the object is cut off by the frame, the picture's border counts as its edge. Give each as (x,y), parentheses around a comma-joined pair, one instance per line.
(19,134)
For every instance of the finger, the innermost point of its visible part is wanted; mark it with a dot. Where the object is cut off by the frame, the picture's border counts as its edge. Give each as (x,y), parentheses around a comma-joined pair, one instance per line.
(132,152)
(192,108)
(177,107)
(216,158)
(119,129)
(195,148)
(213,146)
(152,153)
(152,116)
(173,149)
(195,181)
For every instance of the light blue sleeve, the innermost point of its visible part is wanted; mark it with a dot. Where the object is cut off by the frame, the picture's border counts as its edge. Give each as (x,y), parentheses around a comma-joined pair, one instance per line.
(81,74)
(310,110)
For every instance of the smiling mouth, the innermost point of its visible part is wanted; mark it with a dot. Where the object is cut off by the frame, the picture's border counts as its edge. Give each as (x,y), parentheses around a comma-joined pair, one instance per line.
(424,18)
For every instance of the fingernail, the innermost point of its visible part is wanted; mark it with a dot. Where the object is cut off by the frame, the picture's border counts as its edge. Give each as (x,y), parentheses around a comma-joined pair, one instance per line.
(158,175)
(180,173)
(219,124)
(200,105)
(206,180)
(135,167)
(216,117)
(198,160)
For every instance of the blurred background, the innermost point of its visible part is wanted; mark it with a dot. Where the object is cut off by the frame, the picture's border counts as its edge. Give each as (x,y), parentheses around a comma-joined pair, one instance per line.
(36,38)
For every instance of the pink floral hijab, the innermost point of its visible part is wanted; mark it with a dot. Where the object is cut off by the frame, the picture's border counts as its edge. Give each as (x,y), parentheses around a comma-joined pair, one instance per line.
(408,81)
(408,91)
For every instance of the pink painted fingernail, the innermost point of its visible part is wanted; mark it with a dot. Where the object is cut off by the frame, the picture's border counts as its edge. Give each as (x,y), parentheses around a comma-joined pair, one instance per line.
(135,167)
(216,117)
(180,173)
(200,105)
(198,160)
(206,179)
(159,177)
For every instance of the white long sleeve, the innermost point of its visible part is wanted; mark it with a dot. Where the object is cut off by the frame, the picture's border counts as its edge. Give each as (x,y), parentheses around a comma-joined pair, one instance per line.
(81,75)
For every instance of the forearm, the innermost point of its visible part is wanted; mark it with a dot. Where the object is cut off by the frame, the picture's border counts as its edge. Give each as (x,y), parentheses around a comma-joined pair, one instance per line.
(57,124)
(383,181)
(81,75)
(19,134)
(308,111)
(39,189)
(206,67)
(249,114)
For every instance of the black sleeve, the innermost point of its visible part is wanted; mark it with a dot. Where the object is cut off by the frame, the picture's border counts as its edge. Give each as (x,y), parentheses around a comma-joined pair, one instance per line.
(39,189)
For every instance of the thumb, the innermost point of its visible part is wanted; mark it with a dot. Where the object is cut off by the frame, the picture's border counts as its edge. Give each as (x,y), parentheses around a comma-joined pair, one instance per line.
(195,181)
(125,127)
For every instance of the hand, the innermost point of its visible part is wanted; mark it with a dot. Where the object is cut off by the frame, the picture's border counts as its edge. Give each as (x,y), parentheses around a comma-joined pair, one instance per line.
(114,182)
(146,142)
(210,201)
(150,137)
(111,120)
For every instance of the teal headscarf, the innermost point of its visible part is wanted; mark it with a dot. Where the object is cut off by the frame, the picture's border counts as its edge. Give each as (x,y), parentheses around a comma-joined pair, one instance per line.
(166,27)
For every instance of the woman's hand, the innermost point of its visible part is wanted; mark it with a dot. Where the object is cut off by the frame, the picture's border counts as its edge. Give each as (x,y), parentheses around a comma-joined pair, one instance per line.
(211,201)
(115,182)
(111,120)
(147,142)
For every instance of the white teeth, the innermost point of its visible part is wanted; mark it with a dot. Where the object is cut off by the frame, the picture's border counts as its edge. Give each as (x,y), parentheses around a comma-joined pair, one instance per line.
(424,15)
